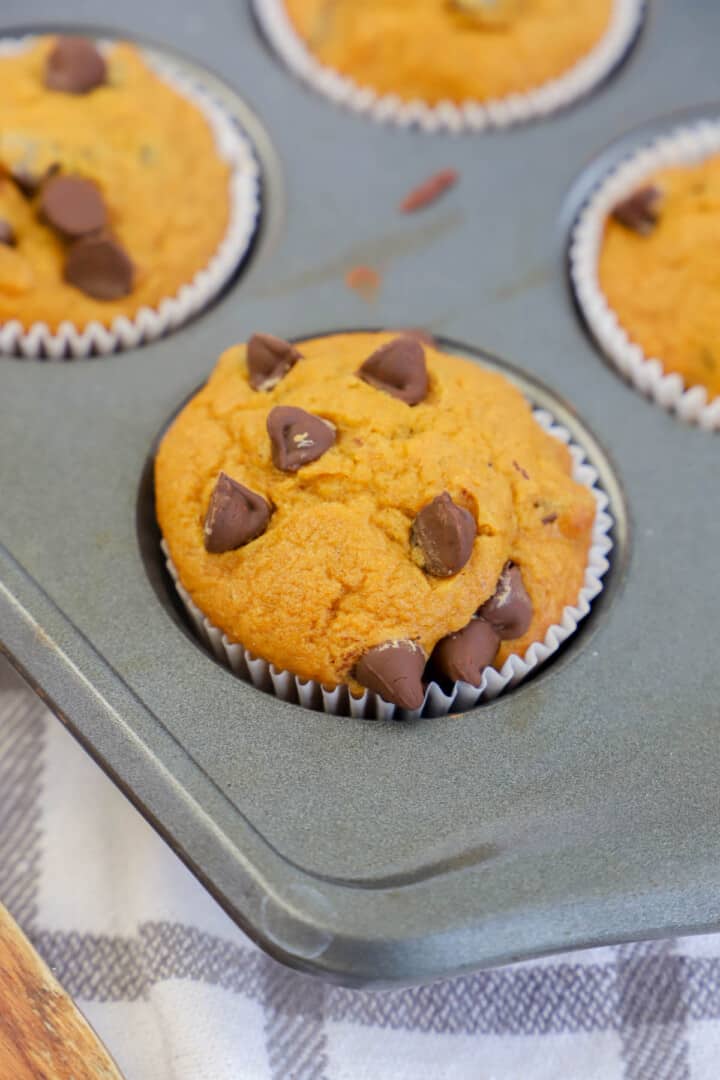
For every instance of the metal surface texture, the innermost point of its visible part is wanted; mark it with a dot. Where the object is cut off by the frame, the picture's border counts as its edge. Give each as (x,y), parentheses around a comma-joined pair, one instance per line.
(581,808)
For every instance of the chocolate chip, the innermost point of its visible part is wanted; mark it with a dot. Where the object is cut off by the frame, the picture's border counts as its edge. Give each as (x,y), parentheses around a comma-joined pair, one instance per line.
(297,437)
(398,369)
(235,516)
(268,360)
(7,233)
(549,519)
(641,211)
(444,533)
(99,267)
(510,609)
(74,66)
(463,656)
(73,206)
(394,670)
(29,182)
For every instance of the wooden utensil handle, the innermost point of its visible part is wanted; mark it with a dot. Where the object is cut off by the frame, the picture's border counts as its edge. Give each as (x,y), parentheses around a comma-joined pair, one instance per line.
(42,1034)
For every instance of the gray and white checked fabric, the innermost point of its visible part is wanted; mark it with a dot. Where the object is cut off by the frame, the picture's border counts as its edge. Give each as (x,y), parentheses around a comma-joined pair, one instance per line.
(178,993)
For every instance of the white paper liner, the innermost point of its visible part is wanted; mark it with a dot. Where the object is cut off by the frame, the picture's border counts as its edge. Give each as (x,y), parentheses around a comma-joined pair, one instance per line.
(447,116)
(462,696)
(69,341)
(685,145)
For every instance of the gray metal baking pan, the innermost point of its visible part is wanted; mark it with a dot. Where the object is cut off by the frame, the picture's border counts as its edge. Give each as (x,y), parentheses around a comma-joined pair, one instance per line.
(582,808)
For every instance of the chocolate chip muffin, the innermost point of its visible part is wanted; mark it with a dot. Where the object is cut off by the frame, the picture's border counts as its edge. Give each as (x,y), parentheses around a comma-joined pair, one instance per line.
(112,192)
(450,50)
(658,270)
(364,509)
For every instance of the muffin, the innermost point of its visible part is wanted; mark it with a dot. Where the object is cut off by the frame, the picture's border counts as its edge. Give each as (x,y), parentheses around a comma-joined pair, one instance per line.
(114,193)
(641,262)
(446,55)
(658,270)
(365,510)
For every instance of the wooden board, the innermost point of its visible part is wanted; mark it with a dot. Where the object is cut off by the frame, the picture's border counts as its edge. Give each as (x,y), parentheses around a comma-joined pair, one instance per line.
(42,1034)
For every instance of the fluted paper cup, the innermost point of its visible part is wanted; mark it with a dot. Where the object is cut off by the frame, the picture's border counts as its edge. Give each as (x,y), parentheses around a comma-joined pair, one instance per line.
(341,702)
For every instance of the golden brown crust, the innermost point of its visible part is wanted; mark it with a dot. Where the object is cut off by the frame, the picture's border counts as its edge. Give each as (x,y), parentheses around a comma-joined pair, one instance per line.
(334,573)
(151,153)
(434,51)
(663,286)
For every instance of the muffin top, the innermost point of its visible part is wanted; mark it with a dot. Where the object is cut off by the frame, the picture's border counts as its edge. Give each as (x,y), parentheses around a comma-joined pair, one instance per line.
(112,192)
(362,491)
(659,271)
(450,50)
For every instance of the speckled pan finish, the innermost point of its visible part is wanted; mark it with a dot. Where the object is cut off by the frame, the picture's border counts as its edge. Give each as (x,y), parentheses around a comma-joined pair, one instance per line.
(582,808)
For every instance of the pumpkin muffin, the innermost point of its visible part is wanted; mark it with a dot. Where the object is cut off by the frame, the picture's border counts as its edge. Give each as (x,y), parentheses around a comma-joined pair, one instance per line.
(450,50)
(112,192)
(659,270)
(363,509)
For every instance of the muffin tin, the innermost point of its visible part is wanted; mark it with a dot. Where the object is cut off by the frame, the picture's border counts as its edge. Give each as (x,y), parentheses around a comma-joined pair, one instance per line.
(579,809)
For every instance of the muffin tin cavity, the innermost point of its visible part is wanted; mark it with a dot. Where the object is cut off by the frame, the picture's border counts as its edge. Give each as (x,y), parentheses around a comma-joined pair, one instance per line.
(622,177)
(107,318)
(590,467)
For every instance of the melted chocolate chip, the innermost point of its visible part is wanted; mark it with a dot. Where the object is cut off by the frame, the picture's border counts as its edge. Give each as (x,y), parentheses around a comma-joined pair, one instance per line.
(235,516)
(394,670)
(444,532)
(74,66)
(398,369)
(268,360)
(73,206)
(297,437)
(641,211)
(99,267)
(463,656)
(510,609)
(30,183)
(7,233)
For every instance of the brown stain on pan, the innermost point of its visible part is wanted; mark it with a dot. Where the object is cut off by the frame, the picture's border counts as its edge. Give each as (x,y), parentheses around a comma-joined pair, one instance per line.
(534,278)
(379,252)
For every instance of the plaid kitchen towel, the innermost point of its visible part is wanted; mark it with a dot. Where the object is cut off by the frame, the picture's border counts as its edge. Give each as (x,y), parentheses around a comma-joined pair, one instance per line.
(178,993)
